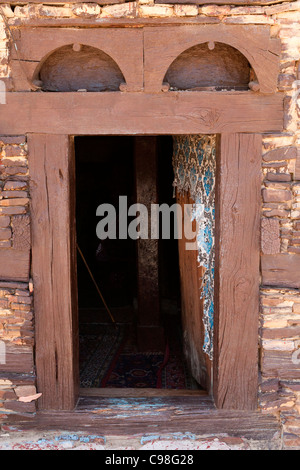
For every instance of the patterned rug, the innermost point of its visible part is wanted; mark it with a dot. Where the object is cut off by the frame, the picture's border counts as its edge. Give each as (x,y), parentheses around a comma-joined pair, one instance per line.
(109,358)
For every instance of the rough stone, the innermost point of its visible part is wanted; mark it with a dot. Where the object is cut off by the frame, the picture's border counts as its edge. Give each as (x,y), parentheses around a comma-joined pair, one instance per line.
(87,10)
(215,10)
(156,10)
(281,153)
(4,221)
(276,195)
(185,10)
(119,11)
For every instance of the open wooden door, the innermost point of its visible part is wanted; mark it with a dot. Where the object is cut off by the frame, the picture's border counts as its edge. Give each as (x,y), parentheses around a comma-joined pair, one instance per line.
(194,164)
(191,274)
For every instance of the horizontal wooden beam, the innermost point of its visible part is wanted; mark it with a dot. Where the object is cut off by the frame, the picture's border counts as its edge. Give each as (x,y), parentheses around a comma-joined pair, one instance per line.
(109,22)
(118,113)
(281,270)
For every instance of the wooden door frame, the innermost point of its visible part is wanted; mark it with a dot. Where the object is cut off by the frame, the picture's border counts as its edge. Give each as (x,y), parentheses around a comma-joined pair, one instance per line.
(235,371)
(144,107)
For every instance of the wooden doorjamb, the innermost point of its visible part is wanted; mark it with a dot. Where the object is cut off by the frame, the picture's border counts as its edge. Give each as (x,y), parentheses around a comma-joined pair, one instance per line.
(51,166)
(237,277)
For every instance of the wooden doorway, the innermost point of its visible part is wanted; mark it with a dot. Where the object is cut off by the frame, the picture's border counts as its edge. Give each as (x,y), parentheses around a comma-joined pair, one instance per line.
(135,341)
(235,367)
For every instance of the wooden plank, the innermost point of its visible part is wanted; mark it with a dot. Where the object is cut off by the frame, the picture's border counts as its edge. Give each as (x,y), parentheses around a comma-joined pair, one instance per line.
(281,270)
(14,264)
(237,271)
(163,46)
(51,173)
(140,113)
(18,358)
(142,416)
(192,307)
(150,330)
(280,364)
(109,22)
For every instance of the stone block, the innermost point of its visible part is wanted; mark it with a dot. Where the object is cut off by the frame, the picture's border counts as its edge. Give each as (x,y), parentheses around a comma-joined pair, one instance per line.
(276,195)
(281,153)
(122,10)
(156,11)
(186,10)
(87,10)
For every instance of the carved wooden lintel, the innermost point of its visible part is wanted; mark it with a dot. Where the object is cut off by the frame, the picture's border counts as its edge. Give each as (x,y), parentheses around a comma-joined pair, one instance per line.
(145,53)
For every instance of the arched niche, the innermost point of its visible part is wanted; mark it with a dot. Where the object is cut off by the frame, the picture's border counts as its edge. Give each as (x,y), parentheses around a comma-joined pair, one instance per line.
(211,65)
(165,45)
(79,67)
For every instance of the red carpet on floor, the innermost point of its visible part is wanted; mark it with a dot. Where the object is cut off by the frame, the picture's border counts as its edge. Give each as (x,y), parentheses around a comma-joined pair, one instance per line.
(109,358)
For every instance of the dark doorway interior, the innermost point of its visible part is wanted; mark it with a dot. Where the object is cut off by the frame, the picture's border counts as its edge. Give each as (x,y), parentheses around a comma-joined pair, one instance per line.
(111,355)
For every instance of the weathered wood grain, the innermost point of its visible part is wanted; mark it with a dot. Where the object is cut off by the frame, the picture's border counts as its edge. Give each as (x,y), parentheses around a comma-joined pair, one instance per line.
(237,271)
(14,264)
(280,364)
(155,415)
(21,232)
(281,270)
(270,236)
(163,46)
(18,359)
(110,22)
(51,170)
(117,113)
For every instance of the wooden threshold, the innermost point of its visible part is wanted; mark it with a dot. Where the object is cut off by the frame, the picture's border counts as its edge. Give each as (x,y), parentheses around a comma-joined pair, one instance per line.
(138,392)
(140,416)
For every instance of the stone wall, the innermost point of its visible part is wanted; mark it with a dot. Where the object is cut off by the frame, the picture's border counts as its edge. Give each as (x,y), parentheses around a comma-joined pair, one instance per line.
(17,378)
(279,338)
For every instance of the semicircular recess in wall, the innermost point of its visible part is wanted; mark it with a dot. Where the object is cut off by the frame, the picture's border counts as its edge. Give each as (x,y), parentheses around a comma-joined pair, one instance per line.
(80,67)
(209,66)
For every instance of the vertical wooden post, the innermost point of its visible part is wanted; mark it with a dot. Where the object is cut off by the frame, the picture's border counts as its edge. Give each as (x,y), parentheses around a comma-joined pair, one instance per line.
(150,330)
(238,204)
(51,166)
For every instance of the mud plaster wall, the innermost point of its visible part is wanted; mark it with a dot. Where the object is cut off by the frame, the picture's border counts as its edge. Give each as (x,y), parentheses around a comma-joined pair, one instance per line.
(279,335)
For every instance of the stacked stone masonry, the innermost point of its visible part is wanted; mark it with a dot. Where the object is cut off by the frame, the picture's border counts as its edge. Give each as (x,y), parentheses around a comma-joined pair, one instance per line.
(17,379)
(279,333)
